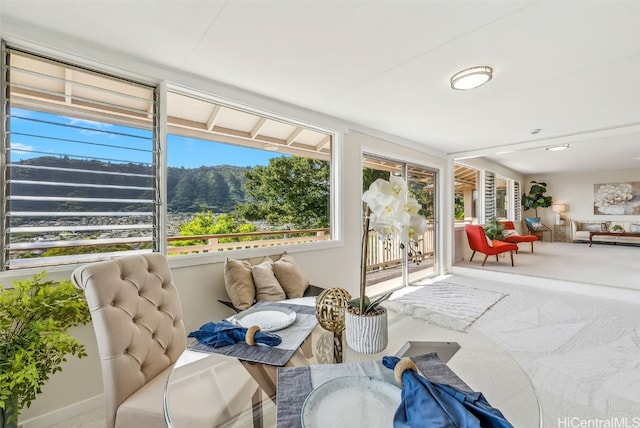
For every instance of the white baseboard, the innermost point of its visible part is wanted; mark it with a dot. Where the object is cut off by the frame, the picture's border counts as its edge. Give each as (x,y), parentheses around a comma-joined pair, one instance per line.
(65,413)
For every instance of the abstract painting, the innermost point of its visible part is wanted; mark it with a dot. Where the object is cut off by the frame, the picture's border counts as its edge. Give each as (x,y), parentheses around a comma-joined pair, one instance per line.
(616,198)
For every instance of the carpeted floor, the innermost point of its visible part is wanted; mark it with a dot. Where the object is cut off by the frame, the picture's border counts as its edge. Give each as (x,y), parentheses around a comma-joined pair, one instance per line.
(601,264)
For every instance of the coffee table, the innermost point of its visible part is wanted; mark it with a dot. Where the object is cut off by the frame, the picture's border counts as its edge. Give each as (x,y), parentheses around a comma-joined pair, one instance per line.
(205,390)
(617,234)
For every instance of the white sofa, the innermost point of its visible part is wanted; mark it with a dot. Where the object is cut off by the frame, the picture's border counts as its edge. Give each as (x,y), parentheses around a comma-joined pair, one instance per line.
(580,231)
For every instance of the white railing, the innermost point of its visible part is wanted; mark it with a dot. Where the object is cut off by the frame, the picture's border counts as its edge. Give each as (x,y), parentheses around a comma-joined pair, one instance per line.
(381,254)
(384,253)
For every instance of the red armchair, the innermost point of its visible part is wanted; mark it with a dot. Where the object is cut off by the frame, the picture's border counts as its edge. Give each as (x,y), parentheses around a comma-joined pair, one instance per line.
(479,242)
(516,238)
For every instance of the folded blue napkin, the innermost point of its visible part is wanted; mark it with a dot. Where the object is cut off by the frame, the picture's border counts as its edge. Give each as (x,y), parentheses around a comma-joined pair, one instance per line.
(429,404)
(223,333)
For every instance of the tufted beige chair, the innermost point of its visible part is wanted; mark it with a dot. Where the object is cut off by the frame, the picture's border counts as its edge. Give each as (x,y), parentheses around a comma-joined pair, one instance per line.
(137,320)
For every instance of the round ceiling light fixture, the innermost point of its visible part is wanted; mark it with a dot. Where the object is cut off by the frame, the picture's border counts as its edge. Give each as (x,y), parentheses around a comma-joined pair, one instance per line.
(471,78)
(271,147)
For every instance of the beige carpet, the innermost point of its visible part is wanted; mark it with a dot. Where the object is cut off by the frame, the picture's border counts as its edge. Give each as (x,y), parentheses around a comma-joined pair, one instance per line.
(601,264)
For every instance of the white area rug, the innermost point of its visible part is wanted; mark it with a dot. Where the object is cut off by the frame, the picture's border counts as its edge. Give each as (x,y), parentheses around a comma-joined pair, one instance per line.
(447,305)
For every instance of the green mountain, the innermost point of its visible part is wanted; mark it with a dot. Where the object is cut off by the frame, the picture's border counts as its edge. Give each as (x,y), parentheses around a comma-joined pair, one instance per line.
(215,188)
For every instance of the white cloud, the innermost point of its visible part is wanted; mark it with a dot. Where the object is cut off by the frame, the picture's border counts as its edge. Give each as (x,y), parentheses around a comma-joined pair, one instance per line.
(98,126)
(21,148)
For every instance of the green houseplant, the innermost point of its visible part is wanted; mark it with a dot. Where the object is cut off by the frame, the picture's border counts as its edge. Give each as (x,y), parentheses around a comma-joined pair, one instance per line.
(494,229)
(536,197)
(34,318)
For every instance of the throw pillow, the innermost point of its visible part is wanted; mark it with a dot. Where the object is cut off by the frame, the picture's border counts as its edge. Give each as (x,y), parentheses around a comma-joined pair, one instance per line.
(537,226)
(605,226)
(267,286)
(634,228)
(510,232)
(592,227)
(238,281)
(489,241)
(290,276)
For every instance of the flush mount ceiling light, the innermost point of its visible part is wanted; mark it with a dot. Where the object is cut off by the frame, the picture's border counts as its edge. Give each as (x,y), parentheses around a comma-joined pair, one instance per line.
(271,147)
(557,148)
(471,77)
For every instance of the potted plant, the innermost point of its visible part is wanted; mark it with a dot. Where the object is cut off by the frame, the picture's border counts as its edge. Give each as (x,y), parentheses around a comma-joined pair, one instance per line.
(390,210)
(494,230)
(617,228)
(34,318)
(535,198)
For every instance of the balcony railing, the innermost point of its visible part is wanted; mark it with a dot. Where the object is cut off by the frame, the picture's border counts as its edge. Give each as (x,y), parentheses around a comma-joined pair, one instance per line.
(382,253)
(245,240)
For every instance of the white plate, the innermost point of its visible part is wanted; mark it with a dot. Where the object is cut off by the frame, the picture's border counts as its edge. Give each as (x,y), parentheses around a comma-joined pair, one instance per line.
(352,401)
(267,317)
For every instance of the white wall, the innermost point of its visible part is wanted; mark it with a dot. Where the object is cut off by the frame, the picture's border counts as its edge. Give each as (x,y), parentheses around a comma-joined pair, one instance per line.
(576,191)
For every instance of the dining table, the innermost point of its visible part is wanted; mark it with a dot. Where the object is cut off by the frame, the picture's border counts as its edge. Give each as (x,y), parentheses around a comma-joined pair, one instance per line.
(225,388)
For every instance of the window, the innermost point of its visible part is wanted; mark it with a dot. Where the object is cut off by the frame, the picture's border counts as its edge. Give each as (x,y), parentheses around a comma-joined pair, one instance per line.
(84,170)
(502,198)
(80,160)
(517,204)
(489,196)
(242,178)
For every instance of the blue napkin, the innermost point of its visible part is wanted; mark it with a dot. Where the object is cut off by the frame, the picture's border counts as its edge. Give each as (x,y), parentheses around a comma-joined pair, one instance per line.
(223,333)
(433,405)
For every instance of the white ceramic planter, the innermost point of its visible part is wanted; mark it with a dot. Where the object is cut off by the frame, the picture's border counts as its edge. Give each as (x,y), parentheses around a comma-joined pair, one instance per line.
(366,334)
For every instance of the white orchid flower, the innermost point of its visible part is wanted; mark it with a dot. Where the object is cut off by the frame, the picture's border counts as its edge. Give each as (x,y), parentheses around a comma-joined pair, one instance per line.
(398,186)
(416,227)
(412,206)
(393,210)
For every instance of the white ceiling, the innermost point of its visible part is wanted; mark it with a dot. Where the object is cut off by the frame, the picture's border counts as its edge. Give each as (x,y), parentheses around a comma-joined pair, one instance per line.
(570,68)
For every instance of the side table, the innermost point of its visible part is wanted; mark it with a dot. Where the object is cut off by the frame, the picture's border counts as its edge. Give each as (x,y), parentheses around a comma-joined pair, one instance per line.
(561,232)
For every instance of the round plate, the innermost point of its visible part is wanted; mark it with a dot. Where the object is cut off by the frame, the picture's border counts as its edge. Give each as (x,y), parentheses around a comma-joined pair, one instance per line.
(267,317)
(342,401)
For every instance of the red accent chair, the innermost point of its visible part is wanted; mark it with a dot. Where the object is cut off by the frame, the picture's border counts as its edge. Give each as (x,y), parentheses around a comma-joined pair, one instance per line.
(479,242)
(516,239)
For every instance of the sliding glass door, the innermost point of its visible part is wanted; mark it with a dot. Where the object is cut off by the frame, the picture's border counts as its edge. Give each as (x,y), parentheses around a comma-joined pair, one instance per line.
(389,265)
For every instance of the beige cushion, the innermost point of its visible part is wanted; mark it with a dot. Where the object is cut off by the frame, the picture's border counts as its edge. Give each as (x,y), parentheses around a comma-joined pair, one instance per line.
(290,276)
(489,241)
(238,280)
(267,286)
(596,227)
(635,228)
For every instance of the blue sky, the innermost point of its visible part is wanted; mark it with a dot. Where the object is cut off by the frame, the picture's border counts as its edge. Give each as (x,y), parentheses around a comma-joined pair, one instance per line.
(35,134)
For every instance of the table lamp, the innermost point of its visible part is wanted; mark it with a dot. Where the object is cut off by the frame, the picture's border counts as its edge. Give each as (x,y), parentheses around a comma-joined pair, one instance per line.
(557,210)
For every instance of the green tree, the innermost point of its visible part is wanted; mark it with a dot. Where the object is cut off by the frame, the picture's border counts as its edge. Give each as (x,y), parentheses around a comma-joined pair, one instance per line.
(290,190)
(458,200)
(206,223)
(369,175)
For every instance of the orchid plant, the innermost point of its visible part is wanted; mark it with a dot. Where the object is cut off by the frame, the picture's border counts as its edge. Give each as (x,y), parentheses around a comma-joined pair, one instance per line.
(391,210)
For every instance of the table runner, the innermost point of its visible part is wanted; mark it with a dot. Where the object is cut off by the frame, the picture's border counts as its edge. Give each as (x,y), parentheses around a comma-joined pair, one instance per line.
(292,338)
(296,383)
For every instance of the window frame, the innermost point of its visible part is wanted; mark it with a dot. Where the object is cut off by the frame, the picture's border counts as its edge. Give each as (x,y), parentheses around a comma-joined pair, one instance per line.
(335,160)
(115,110)
(160,163)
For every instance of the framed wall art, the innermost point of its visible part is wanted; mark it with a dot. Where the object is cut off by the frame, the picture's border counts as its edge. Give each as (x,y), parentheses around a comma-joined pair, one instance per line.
(616,198)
